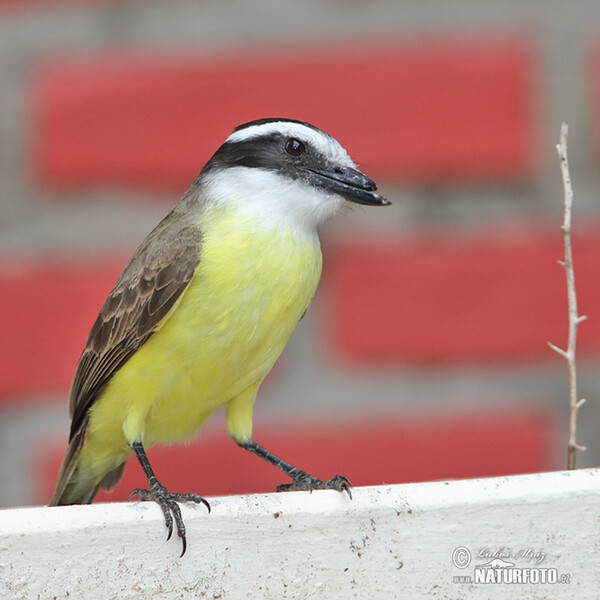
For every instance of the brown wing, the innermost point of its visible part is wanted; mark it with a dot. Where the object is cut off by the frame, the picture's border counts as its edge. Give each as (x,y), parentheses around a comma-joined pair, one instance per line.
(146,290)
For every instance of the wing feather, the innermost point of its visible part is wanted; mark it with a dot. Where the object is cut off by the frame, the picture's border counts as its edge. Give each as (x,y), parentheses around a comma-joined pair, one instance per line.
(147,289)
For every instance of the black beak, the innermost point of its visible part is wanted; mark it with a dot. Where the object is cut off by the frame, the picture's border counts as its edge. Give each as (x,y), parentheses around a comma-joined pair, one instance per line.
(349,183)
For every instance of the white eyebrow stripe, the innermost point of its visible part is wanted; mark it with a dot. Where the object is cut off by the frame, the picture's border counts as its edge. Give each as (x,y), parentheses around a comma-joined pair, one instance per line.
(323,143)
(282,127)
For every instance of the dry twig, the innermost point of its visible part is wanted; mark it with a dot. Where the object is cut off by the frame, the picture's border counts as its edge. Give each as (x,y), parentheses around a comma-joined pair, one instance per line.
(574,318)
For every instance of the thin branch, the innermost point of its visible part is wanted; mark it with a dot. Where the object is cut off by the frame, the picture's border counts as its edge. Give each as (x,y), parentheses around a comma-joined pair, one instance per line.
(558,350)
(574,318)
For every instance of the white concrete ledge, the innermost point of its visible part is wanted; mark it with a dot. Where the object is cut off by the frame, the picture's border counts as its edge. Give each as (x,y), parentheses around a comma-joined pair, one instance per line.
(388,542)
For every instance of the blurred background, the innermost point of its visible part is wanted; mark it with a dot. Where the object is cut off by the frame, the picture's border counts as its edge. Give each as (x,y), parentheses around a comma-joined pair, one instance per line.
(424,353)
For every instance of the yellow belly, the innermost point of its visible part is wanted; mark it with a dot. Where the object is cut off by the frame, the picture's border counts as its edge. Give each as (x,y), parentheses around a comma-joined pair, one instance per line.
(222,338)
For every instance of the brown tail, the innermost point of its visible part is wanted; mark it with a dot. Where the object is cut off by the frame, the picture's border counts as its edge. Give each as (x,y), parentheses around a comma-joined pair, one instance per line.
(71,489)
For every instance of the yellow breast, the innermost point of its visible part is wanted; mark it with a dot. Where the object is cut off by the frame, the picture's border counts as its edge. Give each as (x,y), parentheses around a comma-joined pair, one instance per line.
(224,335)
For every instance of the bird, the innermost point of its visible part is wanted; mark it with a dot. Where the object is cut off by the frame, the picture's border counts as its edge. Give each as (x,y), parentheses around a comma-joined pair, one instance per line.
(203,309)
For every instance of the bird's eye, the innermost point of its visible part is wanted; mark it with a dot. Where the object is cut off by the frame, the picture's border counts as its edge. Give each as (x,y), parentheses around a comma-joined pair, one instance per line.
(295,147)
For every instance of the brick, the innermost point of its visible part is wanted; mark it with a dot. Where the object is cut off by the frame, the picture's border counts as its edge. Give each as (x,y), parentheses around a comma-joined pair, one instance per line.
(47,310)
(430,111)
(443,297)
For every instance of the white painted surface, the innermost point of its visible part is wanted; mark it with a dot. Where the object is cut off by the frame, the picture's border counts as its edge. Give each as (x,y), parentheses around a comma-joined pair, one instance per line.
(388,542)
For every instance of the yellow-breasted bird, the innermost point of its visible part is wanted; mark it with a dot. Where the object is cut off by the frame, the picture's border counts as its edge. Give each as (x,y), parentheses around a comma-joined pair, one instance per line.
(204,308)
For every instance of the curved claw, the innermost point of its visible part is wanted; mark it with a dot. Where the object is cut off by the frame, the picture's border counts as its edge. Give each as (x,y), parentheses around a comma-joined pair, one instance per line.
(168,503)
(191,497)
(136,491)
(342,484)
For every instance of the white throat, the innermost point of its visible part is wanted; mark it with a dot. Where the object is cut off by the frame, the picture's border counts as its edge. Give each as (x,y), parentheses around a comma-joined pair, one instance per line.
(271,199)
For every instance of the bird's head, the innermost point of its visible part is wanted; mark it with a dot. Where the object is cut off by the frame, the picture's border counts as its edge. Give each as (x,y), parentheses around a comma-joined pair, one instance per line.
(280,167)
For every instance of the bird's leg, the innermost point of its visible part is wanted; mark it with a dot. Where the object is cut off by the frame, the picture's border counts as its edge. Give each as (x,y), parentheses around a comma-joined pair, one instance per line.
(301,479)
(165,499)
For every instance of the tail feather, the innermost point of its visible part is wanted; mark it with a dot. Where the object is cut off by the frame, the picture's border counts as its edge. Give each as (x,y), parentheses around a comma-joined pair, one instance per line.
(71,487)
(62,488)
